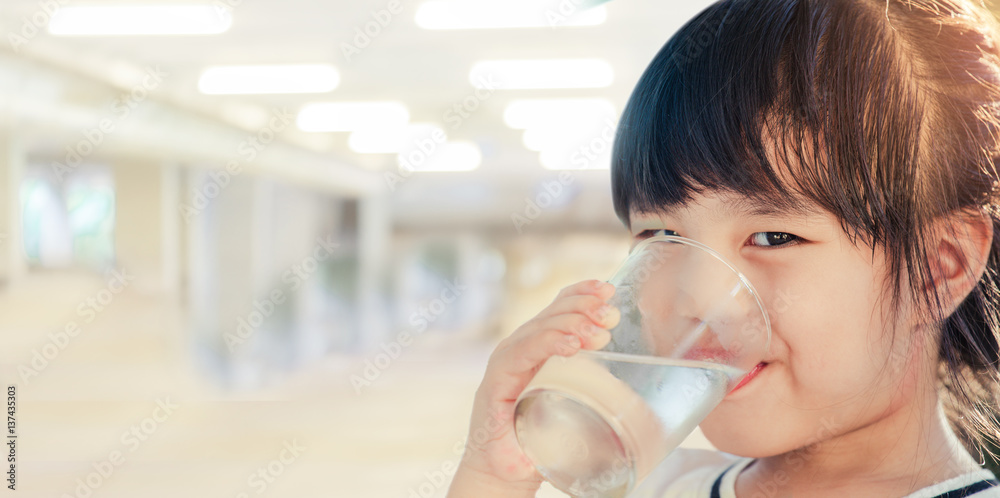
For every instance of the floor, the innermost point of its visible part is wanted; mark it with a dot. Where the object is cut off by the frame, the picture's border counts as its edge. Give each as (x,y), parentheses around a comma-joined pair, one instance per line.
(120,410)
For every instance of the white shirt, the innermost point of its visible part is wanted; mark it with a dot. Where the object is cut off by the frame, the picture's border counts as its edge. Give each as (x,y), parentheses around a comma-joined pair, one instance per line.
(691,473)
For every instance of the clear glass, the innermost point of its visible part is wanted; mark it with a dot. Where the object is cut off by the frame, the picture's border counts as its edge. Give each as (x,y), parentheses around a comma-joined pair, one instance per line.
(692,326)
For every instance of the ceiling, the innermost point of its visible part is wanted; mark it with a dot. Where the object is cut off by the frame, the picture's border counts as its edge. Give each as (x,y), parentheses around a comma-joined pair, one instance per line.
(427,70)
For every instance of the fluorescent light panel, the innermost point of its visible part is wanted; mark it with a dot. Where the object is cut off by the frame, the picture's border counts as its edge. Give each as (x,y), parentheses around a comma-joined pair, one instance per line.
(522,114)
(564,160)
(285,78)
(386,140)
(351,116)
(541,138)
(561,129)
(552,73)
(108,20)
(447,156)
(569,135)
(465,14)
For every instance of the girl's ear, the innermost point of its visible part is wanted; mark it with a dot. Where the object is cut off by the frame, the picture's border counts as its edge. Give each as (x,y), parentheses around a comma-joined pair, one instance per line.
(957,255)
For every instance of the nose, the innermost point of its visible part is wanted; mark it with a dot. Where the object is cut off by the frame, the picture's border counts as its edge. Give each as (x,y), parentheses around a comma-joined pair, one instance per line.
(705,308)
(708,289)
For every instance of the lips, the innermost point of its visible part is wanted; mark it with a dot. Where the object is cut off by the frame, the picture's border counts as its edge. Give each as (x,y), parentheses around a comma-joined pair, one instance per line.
(711,355)
(749,376)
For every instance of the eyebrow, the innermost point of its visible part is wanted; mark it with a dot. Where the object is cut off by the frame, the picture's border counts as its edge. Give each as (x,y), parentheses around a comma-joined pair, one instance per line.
(753,207)
(744,207)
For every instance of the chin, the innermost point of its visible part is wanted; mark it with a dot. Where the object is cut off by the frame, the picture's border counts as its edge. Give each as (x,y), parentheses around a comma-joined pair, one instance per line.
(745,436)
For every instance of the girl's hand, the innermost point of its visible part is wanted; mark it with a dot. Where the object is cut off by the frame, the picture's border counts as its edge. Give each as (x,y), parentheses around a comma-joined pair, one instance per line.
(493,464)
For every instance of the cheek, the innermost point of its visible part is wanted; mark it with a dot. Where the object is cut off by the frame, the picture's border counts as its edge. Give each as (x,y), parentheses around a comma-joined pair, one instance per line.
(833,355)
(831,340)
(830,378)
(829,329)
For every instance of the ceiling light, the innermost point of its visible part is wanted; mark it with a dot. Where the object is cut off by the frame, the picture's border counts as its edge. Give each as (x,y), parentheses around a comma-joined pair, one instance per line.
(578,159)
(448,156)
(541,73)
(285,78)
(108,20)
(541,138)
(568,133)
(527,113)
(395,139)
(351,116)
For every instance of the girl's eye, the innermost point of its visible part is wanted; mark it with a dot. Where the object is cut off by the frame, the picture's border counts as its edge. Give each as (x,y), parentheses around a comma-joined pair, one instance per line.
(645,234)
(773,239)
(761,239)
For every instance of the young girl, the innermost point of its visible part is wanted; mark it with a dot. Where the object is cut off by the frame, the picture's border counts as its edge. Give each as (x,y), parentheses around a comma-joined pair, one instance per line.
(841,154)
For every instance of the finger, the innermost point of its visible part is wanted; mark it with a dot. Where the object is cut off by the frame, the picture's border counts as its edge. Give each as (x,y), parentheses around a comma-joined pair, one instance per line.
(561,335)
(611,318)
(523,356)
(601,289)
(595,289)
(595,308)
(511,367)
(587,317)
(591,334)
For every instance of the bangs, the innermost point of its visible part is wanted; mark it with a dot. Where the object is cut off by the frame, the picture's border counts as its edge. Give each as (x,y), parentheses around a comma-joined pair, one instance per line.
(774,101)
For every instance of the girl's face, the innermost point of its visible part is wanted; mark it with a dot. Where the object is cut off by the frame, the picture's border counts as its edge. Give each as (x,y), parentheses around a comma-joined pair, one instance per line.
(834,364)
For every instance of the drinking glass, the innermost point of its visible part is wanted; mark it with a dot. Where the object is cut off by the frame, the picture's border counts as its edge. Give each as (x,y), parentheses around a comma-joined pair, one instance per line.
(692,327)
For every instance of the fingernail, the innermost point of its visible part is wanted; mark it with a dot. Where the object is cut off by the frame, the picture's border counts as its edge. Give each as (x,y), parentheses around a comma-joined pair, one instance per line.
(592,329)
(570,345)
(603,311)
(573,341)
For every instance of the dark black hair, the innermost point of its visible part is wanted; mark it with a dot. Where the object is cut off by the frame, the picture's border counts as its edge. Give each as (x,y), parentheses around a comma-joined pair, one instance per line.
(885,113)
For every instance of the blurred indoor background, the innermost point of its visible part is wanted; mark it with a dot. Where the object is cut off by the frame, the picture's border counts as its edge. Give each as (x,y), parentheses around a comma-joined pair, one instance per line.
(265,247)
